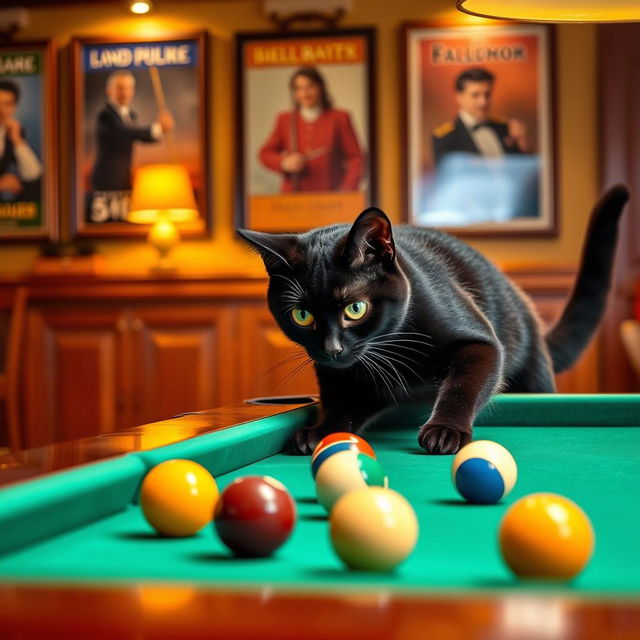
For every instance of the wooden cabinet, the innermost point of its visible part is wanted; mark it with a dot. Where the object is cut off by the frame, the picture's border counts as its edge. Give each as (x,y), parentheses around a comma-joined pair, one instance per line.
(270,364)
(183,359)
(93,371)
(75,378)
(108,354)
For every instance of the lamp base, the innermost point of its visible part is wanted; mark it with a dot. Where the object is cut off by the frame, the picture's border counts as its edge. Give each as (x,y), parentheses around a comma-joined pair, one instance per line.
(164,236)
(163,267)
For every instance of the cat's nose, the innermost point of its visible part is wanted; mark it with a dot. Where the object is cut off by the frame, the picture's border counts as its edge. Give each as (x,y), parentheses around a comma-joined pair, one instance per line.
(333,348)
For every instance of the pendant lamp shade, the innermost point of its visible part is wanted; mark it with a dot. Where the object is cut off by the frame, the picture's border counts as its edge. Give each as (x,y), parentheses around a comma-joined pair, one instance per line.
(554,10)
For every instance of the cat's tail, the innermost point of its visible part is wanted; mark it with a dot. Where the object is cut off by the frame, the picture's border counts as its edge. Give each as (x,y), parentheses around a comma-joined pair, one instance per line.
(586,305)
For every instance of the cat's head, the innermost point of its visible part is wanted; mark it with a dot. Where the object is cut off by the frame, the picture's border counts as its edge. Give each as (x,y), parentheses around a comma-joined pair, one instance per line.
(334,289)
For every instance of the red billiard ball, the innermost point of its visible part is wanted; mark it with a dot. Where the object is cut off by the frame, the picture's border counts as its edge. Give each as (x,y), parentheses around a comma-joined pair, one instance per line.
(255,515)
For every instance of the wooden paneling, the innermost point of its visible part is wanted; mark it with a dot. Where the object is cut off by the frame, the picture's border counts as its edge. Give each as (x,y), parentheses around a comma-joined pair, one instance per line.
(270,364)
(619,53)
(584,376)
(75,379)
(183,360)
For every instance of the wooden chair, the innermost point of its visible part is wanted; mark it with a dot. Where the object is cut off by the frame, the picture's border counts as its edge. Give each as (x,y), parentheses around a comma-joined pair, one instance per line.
(630,332)
(15,301)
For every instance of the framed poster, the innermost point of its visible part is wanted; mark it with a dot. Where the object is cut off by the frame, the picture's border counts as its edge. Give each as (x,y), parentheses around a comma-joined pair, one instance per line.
(479,139)
(307,152)
(136,103)
(28,169)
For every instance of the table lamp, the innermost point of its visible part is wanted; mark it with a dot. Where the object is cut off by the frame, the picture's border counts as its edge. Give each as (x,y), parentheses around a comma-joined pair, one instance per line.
(162,195)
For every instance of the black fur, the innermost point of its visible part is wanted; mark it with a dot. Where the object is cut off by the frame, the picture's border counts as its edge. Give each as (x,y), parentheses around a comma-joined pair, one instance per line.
(444,325)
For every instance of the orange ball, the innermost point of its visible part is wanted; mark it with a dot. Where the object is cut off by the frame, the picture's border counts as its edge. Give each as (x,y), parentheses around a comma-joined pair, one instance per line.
(545,535)
(178,497)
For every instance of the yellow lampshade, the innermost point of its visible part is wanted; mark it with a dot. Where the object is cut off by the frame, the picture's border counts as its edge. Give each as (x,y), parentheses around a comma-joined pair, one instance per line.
(554,10)
(162,191)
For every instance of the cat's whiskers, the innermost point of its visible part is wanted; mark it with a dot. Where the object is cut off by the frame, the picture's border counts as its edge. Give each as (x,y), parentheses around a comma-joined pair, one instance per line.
(295,356)
(293,373)
(291,297)
(399,359)
(403,333)
(369,371)
(376,372)
(405,336)
(399,377)
(296,286)
(387,351)
(394,379)
(385,376)
(293,293)
(395,344)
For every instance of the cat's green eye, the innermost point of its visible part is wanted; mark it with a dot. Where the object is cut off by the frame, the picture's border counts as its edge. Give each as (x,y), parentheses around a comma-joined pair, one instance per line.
(302,317)
(356,310)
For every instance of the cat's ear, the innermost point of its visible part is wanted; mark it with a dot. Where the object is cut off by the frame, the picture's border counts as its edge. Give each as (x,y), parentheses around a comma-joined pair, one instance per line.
(370,239)
(278,250)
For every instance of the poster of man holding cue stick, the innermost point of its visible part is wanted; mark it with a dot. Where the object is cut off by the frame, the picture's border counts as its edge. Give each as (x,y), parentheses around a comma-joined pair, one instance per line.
(125,121)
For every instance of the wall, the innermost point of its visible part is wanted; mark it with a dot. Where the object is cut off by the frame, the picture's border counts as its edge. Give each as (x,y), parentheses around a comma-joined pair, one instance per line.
(576,113)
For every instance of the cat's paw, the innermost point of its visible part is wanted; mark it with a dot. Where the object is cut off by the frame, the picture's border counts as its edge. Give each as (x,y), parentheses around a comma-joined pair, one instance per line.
(303,441)
(441,439)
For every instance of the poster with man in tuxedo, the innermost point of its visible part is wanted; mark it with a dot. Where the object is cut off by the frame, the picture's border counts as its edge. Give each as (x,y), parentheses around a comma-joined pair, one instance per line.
(479,143)
(138,103)
(20,167)
(27,162)
(117,129)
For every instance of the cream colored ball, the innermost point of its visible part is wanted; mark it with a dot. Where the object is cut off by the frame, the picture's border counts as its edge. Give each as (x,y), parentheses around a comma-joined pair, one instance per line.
(373,529)
(341,473)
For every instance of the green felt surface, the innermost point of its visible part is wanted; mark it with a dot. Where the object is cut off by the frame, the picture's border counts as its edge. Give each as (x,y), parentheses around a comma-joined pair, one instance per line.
(598,467)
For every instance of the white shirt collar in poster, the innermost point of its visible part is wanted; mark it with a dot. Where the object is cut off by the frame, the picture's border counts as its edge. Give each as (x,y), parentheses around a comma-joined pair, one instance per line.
(310,114)
(485,138)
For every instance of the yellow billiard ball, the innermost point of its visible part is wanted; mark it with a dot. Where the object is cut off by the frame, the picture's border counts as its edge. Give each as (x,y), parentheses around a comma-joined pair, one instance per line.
(546,536)
(373,529)
(178,497)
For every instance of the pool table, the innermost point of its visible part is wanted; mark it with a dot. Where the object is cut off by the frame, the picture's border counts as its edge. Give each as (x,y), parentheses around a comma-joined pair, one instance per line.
(77,558)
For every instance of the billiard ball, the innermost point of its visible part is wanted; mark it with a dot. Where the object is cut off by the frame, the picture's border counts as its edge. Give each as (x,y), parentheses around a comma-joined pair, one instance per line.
(255,515)
(345,471)
(545,535)
(373,529)
(178,497)
(343,436)
(331,449)
(484,472)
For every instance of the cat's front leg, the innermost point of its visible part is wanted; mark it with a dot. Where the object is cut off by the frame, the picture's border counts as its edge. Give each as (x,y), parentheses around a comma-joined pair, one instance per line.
(346,402)
(304,440)
(473,373)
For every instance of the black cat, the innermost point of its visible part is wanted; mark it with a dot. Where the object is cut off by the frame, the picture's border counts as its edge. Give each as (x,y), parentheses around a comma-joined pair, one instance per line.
(391,315)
